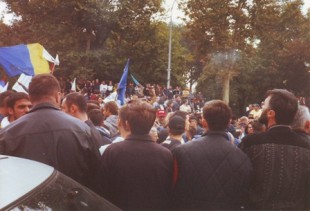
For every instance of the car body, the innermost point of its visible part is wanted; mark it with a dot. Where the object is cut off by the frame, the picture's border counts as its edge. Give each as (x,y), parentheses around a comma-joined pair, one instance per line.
(30,185)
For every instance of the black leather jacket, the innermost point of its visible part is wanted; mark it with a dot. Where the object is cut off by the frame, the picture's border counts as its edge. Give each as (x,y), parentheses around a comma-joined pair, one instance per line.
(281,162)
(50,136)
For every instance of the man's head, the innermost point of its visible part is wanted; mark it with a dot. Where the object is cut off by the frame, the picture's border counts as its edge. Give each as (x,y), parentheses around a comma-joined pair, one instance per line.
(280,107)
(44,88)
(216,115)
(75,105)
(302,119)
(3,102)
(193,121)
(91,106)
(110,108)
(18,104)
(137,117)
(161,116)
(176,125)
(96,117)
(256,107)
(185,101)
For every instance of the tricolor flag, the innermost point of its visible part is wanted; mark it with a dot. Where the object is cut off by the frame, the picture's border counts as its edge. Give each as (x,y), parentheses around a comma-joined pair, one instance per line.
(121,89)
(29,59)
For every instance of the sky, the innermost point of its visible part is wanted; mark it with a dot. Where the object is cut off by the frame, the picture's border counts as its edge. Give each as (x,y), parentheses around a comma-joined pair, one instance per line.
(176,12)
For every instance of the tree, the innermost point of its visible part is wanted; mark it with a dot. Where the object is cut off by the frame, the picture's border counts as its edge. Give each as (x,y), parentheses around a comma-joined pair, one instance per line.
(271,37)
(95,38)
(217,28)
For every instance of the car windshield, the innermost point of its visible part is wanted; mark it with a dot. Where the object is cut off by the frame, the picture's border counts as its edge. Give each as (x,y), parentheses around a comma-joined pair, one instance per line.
(60,192)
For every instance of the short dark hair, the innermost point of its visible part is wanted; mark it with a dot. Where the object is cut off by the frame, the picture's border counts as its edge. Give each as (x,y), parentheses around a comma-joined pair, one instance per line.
(285,105)
(176,125)
(4,96)
(139,115)
(76,99)
(112,107)
(182,114)
(193,117)
(217,114)
(43,85)
(94,102)
(15,96)
(96,117)
(91,106)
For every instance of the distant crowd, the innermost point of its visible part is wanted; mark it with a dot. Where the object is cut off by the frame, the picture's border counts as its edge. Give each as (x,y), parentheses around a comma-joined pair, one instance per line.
(165,148)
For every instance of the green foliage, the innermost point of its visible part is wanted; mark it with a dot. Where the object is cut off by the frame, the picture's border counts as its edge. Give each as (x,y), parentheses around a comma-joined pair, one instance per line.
(95,38)
(271,36)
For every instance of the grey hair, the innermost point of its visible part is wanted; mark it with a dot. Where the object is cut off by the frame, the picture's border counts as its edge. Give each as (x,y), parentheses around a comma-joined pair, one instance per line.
(301,117)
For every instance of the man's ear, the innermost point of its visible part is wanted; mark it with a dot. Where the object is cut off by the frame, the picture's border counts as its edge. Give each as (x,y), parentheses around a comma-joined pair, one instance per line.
(271,114)
(126,126)
(204,123)
(123,125)
(10,111)
(58,96)
(73,109)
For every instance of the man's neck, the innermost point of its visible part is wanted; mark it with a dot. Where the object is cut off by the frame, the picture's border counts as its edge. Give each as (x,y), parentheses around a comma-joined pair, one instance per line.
(271,123)
(46,100)
(82,116)
(11,118)
(176,137)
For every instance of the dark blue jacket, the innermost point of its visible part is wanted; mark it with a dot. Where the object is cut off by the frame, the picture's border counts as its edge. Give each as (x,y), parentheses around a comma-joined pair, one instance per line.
(212,174)
(136,174)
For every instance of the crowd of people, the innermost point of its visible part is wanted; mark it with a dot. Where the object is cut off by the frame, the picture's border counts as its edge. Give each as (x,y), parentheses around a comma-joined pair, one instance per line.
(165,148)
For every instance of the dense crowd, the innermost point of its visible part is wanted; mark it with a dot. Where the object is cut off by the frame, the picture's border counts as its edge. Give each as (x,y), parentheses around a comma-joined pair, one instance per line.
(165,148)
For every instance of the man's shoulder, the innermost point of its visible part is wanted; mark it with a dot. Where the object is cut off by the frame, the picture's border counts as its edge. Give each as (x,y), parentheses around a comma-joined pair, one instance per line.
(279,136)
(63,118)
(255,137)
(133,145)
(190,146)
(46,120)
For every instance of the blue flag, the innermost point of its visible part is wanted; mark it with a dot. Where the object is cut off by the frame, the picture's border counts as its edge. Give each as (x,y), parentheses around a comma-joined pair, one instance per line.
(121,89)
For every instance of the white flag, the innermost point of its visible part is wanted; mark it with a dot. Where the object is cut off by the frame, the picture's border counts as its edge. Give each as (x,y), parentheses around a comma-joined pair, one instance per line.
(5,88)
(111,97)
(49,58)
(73,85)
(22,83)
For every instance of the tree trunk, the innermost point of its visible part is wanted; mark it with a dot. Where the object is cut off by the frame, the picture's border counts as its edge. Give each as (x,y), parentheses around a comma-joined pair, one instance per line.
(226,84)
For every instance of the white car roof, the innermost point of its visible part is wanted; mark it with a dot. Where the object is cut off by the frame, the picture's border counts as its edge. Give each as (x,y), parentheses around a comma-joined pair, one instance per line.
(18,176)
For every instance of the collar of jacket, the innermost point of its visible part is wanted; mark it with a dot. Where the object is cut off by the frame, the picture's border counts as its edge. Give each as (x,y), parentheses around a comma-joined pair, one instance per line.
(133,137)
(279,128)
(43,106)
(217,133)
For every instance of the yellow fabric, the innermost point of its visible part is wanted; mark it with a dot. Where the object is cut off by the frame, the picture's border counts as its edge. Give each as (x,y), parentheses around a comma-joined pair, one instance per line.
(40,64)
